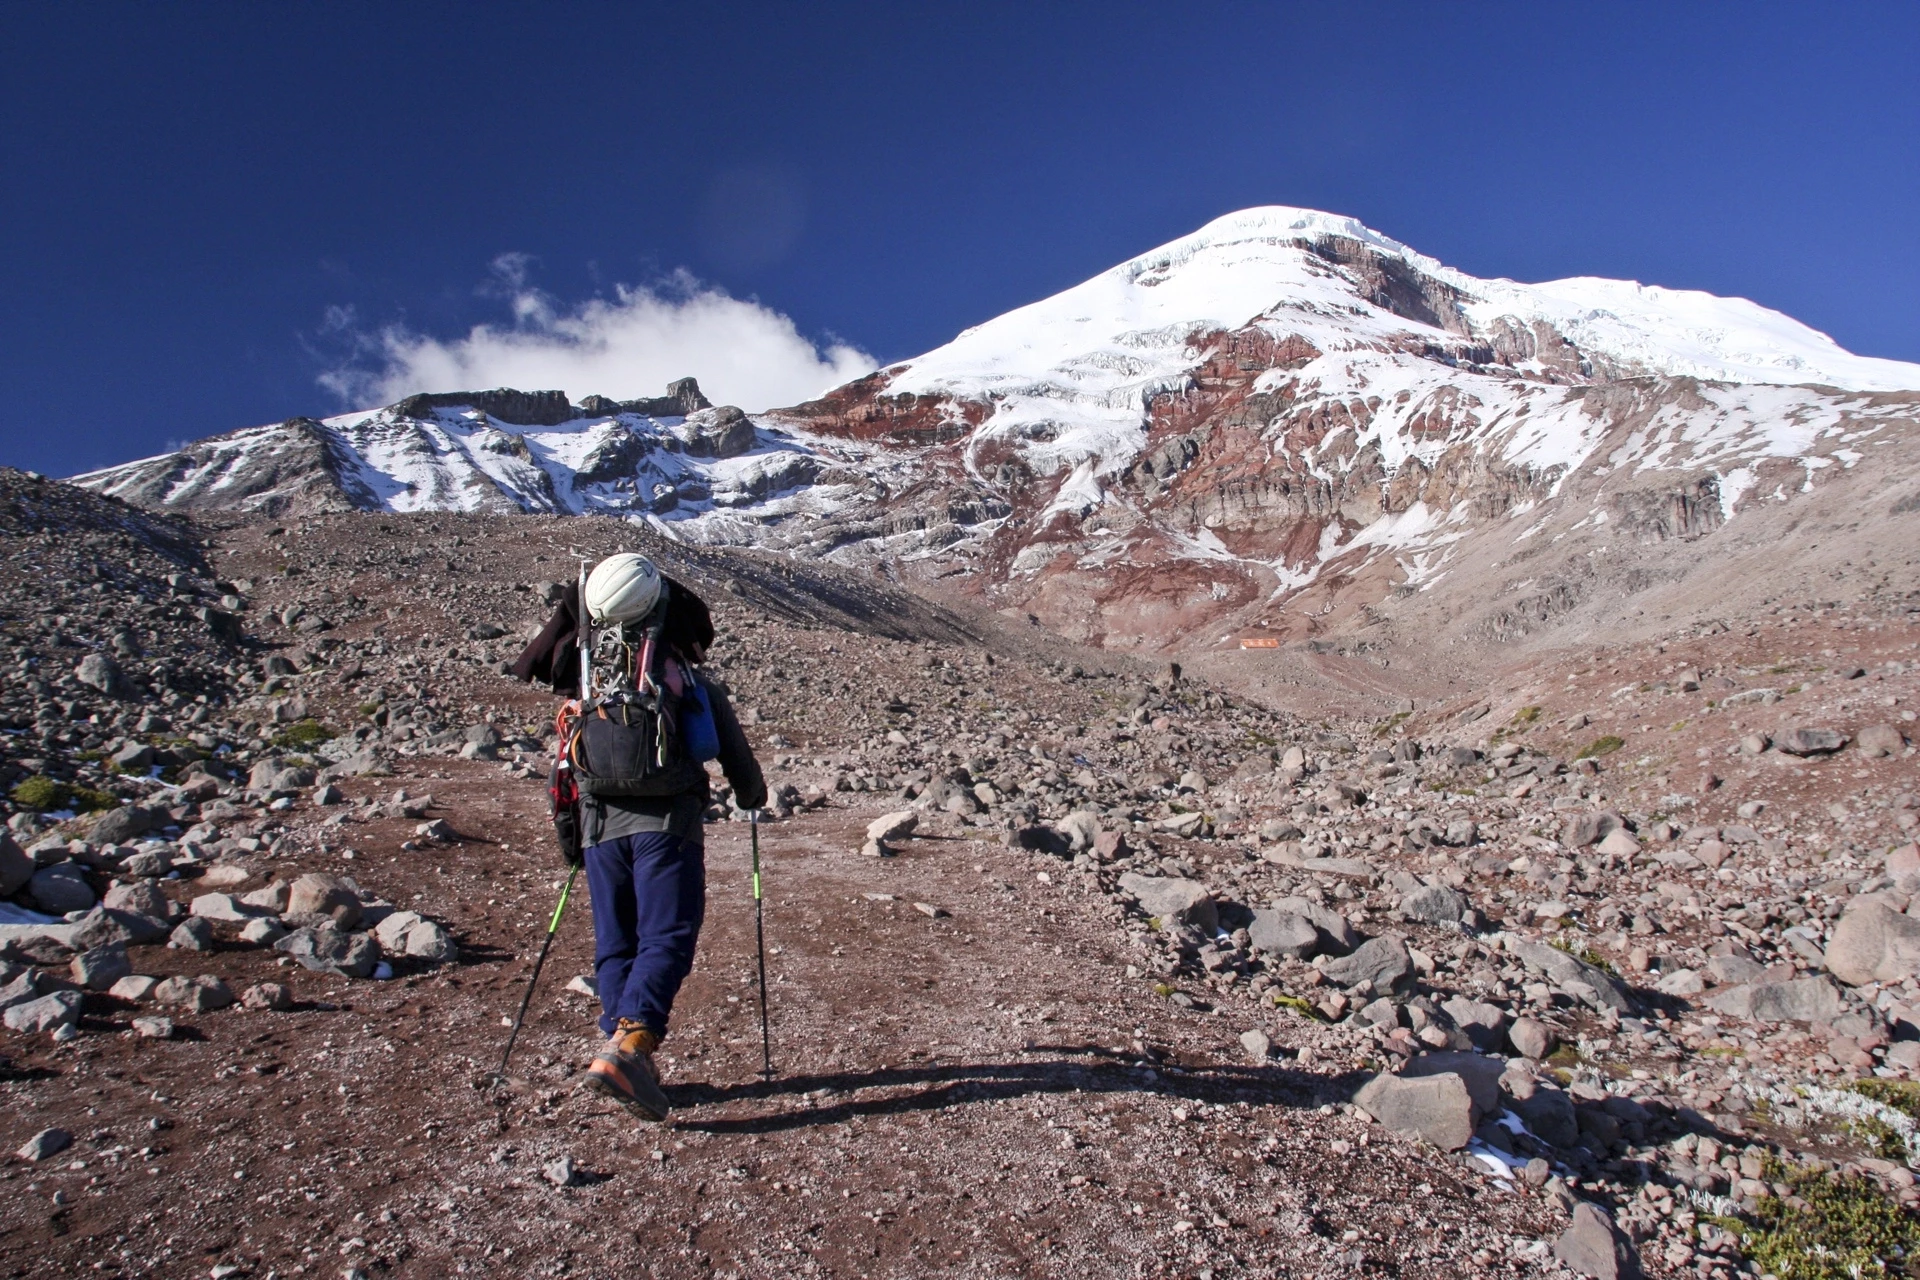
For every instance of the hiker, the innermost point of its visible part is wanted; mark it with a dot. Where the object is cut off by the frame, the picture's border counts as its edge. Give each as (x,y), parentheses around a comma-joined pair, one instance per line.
(630,772)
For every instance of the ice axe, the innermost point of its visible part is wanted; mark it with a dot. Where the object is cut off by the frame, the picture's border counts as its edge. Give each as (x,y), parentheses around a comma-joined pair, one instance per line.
(760,947)
(553,927)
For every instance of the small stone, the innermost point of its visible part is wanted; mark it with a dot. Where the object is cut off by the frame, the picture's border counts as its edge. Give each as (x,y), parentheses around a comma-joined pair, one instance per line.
(1257,1043)
(324,895)
(1172,900)
(60,888)
(203,994)
(267,997)
(142,897)
(1880,740)
(1433,905)
(560,1172)
(262,932)
(1593,1246)
(1283,933)
(1681,982)
(98,672)
(584,984)
(47,1142)
(1382,961)
(438,829)
(154,1027)
(326,794)
(1619,844)
(1081,830)
(1874,943)
(928,910)
(16,868)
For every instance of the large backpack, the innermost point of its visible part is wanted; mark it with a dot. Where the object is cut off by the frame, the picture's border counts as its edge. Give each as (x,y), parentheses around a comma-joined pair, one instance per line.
(650,734)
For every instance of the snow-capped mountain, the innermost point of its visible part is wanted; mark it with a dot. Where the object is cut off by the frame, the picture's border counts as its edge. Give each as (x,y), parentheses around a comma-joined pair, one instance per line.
(1231,430)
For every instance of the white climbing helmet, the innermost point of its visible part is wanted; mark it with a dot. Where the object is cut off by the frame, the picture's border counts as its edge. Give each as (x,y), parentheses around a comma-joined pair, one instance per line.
(621,589)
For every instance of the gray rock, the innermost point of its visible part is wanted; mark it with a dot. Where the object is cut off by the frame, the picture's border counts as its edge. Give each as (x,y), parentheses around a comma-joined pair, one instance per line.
(1732,969)
(194,934)
(1532,1038)
(1572,975)
(893,826)
(23,986)
(1382,1012)
(324,895)
(560,1172)
(46,1143)
(1880,740)
(325,949)
(1593,1246)
(1081,829)
(135,757)
(1173,900)
(154,1026)
(133,988)
(1383,961)
(203,994)
(142,897)
(263,931)
(221,908)
(1681,982)
(1590,828)
(99,968)
(1257,1043)
(1283,933)
(1809,742)
(1433,905)
(724,432)
(272,899)
(1437,1109)
(326,795)
(1482,1074)
(1549,1115)
(48,1013)
(1802,1000)
(97,671)
(1336,933)
(267,997)
(16,868)
(1483,1023)
(1874,943)
(61,888)
(118,826)
(411,934)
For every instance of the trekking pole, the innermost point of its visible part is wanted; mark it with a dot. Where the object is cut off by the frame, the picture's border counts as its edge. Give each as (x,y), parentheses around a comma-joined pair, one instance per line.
(760,947)
(553,927)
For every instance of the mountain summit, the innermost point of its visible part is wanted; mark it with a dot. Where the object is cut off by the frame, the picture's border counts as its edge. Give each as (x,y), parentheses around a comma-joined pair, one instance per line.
(1283,421)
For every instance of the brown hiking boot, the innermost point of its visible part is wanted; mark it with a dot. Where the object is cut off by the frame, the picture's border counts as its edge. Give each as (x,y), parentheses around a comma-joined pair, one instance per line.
(623,1073)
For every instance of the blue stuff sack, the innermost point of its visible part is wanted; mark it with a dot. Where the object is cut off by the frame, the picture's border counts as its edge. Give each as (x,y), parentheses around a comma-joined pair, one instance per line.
(701,735)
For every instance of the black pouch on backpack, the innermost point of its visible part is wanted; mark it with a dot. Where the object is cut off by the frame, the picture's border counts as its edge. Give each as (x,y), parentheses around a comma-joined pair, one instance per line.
(633,747)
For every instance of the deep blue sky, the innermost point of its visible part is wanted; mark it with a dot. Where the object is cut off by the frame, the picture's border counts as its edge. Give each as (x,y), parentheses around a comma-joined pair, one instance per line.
(189,189)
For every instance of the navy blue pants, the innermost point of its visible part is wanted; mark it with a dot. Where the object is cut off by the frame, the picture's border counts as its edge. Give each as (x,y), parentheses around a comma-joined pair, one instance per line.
(649,896)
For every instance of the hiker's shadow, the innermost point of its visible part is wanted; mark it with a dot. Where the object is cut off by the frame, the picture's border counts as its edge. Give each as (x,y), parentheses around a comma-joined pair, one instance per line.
(936,1086)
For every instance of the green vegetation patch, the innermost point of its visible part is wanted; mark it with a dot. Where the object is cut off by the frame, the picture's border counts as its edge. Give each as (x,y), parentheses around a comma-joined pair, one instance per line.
(46,794)
(1828,1227)
(1602,746)
(305,733)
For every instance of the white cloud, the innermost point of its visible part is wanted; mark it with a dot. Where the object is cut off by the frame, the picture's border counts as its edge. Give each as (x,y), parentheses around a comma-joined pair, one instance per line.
(625,347)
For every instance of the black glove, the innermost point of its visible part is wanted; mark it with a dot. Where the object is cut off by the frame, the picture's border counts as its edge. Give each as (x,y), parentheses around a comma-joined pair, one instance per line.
(752,796)
(566,830)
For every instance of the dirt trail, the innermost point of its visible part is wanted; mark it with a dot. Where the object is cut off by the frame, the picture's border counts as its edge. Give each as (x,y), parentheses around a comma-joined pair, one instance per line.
(976,1093)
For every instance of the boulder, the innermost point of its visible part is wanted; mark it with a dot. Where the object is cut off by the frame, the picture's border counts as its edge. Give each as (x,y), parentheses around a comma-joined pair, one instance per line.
(1336,933)
(203,994)
(193,934)
(1571,974)
(1173,900)
(98,672)
(118,826)
(23,986)
(1481,1074)
(142,897)
(725,432)
(60,888)
(324,895)
(1532,1038)
(1283,933)
(410,934)
(1880,740)
(222,908)
(1619,843)
(133,988)
(1874,943)
(1081,829)
(1433,905)
(48,1013)
(1382,961)
(262,931)
(1548,1114)
(1438,1109)
(1590,828)
(1809,742)
(1482,1023)
(271,997)
(1801,1000)
(325,949)
(16,868)
(45,1144)
(893,826)
(98,968)
(1593,1246)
